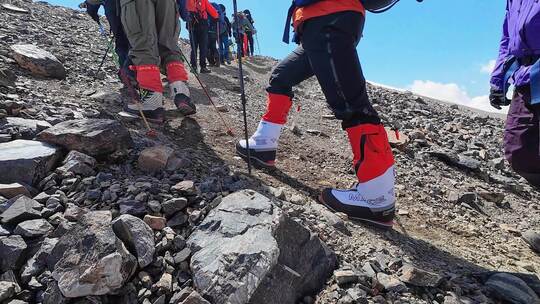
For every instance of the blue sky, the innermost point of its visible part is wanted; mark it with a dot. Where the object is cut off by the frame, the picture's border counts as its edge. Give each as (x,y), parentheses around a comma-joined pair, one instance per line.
(437,48)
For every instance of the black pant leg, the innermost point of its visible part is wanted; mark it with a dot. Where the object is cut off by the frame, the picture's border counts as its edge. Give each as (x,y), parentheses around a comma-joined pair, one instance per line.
(193,36)
(291,71)
(203,42)
(330,43)
(251,43)
(120,39)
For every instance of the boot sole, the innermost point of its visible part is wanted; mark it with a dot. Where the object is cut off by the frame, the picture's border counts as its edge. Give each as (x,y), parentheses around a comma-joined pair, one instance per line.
(186,110)
(383,225)
(256,160)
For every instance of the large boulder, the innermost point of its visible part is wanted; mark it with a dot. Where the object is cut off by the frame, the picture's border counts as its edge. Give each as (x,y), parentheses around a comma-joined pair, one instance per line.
(137,236)
(95,137)
(38,61)
(89,259)
(247,249)
(26,161)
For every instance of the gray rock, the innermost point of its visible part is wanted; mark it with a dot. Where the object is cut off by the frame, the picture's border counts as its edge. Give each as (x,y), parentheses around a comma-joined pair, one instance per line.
(4,231)
(26,161)
(164,284)
(511,289)
(37,264)
(345,277)
(247,248)
(12,190)
(89,259)
(42,198)
(38,61)
(182,256)
(33,228)
(178,220)
(81,158)
(22,209)
(94,137)
(73,212)
(174,205)
(12,252)
(185,187)
(155,159)
(368,270)
(16,302)
(418,277)
(533,239)
(195,298)
(391,283)
(75,167)
(53,295)
(132,207)
(7,78)
(460,161)
(181,296)
(7,290)
(28,128)
(137,236)
(359,296)
(155,222)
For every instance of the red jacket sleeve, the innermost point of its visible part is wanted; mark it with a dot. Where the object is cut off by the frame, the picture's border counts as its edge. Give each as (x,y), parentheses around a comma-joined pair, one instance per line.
(211,10)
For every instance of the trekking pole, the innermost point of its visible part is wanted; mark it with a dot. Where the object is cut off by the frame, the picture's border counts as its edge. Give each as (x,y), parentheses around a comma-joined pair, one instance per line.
(104,57)
(242,89)
(205,90)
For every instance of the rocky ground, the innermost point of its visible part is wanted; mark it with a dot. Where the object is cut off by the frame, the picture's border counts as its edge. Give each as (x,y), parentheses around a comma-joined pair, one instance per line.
(94,211)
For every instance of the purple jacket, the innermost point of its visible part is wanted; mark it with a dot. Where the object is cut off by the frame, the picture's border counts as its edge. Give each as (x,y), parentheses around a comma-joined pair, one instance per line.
(521,37)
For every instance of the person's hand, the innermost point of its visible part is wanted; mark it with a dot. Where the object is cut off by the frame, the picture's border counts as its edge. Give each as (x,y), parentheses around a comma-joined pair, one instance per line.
(498,99)
(254,31)
(102,31)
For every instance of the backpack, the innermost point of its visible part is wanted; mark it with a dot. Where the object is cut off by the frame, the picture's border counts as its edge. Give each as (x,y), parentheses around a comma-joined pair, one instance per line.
(373,6)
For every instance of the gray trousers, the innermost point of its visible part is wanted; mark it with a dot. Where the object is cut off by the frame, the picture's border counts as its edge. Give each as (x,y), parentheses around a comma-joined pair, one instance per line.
(152,29)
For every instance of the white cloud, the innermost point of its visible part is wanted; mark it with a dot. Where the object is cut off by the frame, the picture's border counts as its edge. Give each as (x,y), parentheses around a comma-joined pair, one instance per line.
(451,92)
(488,67)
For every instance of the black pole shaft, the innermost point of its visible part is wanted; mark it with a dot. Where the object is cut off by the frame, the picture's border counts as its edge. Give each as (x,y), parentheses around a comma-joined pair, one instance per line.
(242,87)
(104,57)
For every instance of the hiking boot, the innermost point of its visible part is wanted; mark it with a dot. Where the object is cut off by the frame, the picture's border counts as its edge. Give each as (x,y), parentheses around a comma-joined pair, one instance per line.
(205,70)
(151,105)
(262,144)
(181,96)
(372,199)
(371,202)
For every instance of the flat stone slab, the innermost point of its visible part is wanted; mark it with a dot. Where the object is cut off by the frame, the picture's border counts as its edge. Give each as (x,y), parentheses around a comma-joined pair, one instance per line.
(14,8)
(95,137)
(38,61)
(26,161)
(12,190)
(28,128)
